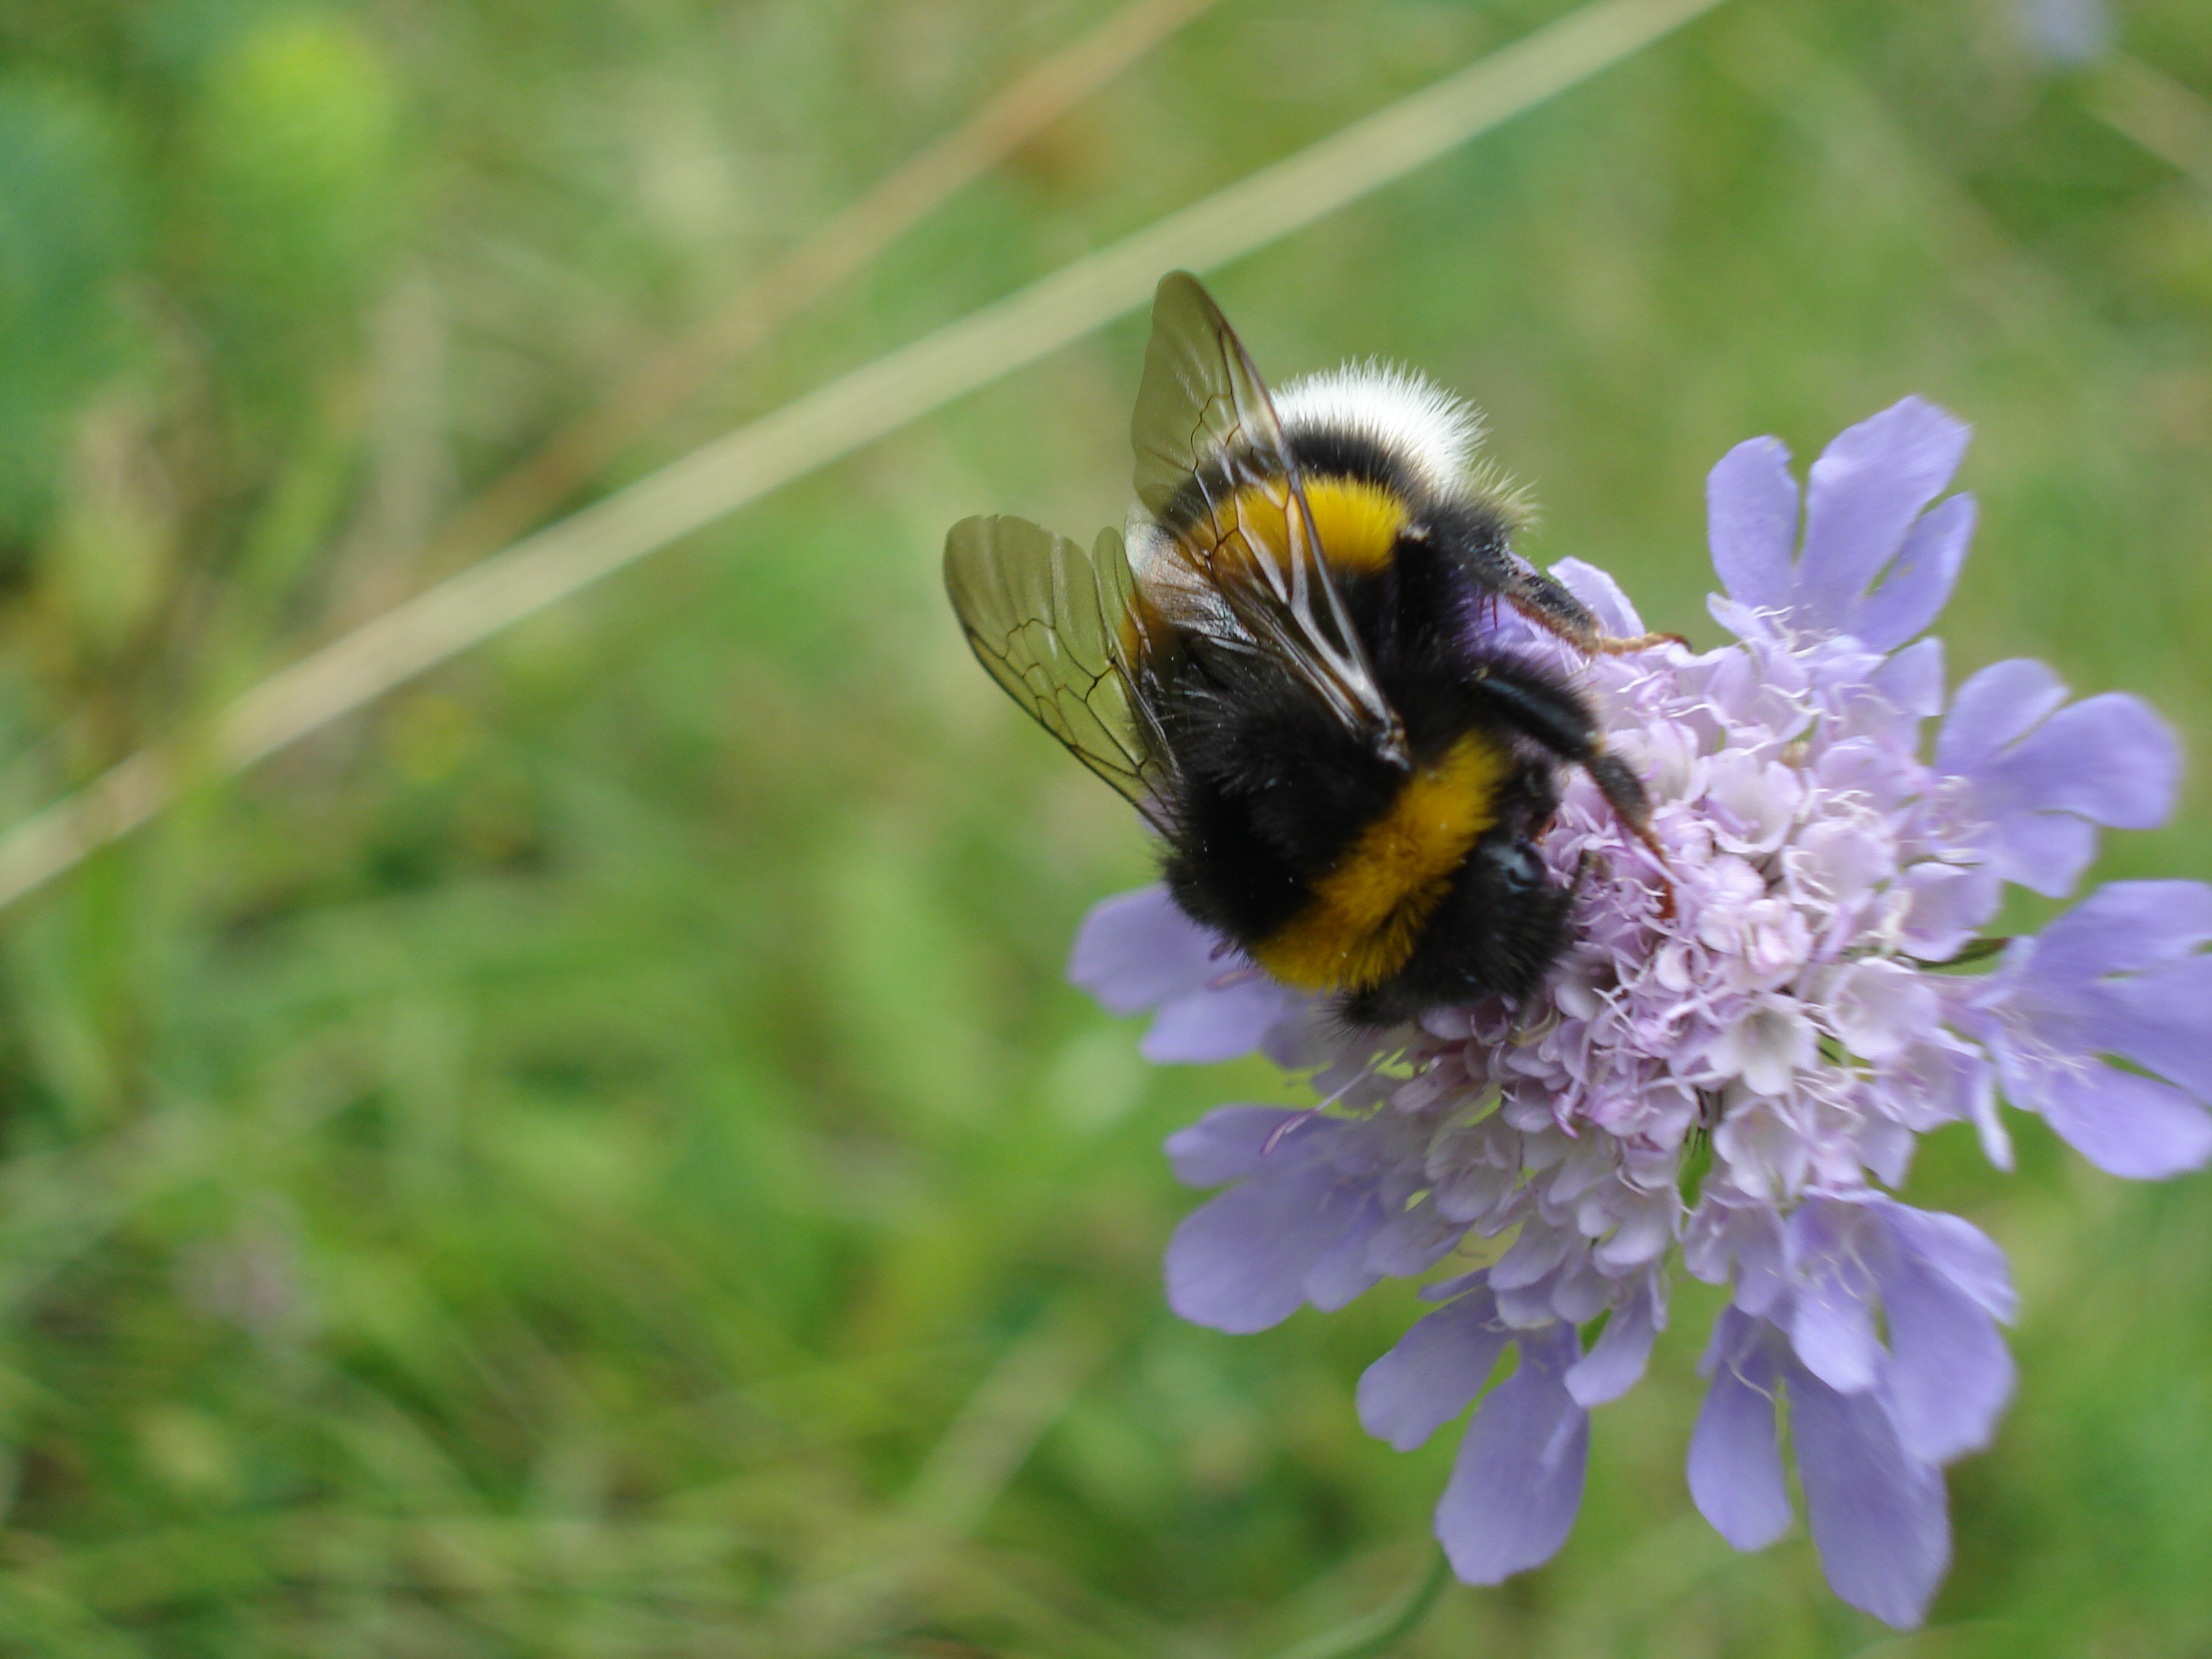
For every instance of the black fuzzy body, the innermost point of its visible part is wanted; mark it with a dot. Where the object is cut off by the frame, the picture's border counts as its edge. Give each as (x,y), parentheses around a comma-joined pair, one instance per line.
(1272,789)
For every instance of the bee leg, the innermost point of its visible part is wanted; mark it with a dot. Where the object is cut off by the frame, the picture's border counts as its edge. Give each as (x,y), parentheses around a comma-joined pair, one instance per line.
(1621,645)
(1551,608)
(1624,791)
(1554,716)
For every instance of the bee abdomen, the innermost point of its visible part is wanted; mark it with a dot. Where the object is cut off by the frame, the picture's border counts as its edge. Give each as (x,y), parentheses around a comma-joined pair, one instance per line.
(1361,918)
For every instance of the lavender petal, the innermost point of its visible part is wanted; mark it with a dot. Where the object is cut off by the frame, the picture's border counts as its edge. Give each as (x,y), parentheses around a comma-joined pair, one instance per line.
(2108,758)
(1913,677)
(1735,1451)
(1218,1021)
(1877,1512)
(1342,1275)
(1943,1080)
(1751,514)
(1615,1364)
(1992,709)
(1602,595)
(2043,852)
(1231,1143)
(1135,951)
(1831,1322)
(1949,1375)
(1949,903)
(2157,1019)
(1920,582)
(1238,1263)
(1413,1240)
(1519,1480)
(2124,1124)
(2122,973)
(1961,1252)
(1864,493)
(1435,1370)
(2121,928)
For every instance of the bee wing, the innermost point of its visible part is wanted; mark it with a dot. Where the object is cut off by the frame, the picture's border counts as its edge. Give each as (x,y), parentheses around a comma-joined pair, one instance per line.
(1246,571)
(1058,629)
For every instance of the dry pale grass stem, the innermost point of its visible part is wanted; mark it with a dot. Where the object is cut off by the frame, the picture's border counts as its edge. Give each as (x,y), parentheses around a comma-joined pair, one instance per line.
(2172,121)
(834,252)
(838,418)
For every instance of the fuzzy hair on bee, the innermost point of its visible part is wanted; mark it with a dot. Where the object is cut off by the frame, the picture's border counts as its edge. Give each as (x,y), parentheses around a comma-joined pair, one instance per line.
(1293,670)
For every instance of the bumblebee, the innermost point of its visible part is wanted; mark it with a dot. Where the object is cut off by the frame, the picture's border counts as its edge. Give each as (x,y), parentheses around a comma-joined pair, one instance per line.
(1292,669)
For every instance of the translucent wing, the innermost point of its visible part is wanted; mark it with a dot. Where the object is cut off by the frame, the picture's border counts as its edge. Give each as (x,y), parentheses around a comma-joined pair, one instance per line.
(1241,564)
(1061,631)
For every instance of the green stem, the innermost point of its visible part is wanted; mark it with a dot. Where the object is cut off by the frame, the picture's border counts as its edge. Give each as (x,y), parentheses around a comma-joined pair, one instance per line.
(1376,1633)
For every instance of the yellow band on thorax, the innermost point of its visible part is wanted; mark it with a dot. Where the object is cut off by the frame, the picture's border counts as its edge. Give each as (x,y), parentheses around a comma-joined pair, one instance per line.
(1355,522)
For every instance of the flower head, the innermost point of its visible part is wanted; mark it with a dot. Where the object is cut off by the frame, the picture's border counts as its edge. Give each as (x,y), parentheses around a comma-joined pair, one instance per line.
(1733,1060)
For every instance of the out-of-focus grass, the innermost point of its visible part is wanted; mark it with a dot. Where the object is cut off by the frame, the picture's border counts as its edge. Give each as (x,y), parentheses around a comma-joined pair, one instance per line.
(594,1157)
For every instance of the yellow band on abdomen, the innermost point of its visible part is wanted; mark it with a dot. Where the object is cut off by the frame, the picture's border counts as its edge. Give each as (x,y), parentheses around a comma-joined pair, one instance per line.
(1362,921)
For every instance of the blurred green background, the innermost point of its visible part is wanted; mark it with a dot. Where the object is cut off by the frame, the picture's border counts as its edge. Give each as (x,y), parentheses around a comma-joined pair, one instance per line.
(593,1155)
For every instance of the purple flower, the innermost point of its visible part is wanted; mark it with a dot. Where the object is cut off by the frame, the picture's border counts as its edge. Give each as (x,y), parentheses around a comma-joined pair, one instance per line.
(1137,952)
(1877,1512)
(1863,520)
(1323,1207)
(1518,1479)
(1770,1005)
(1873,1425)
(2123,972)
(2026,780)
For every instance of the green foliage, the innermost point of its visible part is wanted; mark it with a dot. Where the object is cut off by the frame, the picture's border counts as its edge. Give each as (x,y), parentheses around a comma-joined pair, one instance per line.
(594,1157)
(293,163)
(65,243)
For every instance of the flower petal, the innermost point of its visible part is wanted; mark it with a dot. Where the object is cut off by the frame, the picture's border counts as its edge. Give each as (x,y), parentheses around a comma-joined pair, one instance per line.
(2108,757)
(1960,1251)
(1864,492)
(1943,1080)
(1135,951)
(1616,1364)
(2158,1020)
(1603,596)
(1238,1263)
(1230,1143)
(1949,903)
(1831,1321)
(1751,516)
(1343,1272)
(1766,1045)
(1735,1451)
(1222,1020)
(1436,1368)
(1412,1240)
(2122,927)
(1913,678)
(1731,1235)
(1949,1374)
(2044,852)
(1519,1480)
(1533,1254)
(1992,709)
(2122,973)
(1881,1008)
(1877,1512)
(1919,584)
(2124,1124)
